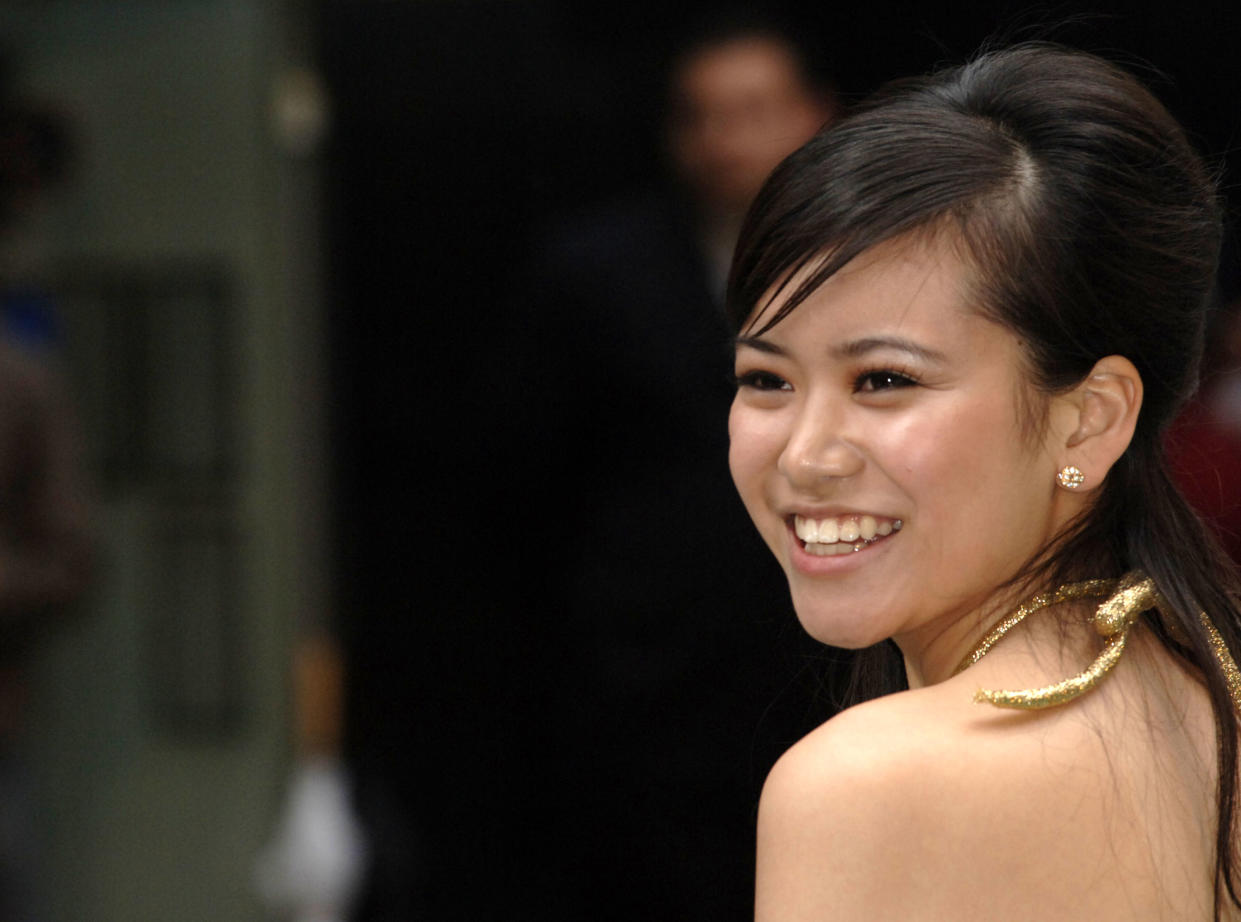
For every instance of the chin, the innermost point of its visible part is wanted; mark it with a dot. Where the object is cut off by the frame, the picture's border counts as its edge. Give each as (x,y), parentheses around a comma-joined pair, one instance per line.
(827,628)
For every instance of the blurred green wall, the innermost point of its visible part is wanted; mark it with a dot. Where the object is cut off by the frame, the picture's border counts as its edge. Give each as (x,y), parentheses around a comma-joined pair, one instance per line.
(158,725)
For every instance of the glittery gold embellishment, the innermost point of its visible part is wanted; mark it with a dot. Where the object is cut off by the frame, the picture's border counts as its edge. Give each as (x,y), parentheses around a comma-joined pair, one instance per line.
(1126,599)
(1134,594)
(1061,692)
(1070,477)
(1091,589)
(1232,676)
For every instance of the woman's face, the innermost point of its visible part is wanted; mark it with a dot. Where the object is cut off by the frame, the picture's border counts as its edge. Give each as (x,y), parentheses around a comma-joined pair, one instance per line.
(878,444)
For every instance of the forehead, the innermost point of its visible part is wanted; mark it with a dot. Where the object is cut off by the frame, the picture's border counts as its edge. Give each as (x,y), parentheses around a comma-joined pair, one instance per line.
(743,66)
(914,279)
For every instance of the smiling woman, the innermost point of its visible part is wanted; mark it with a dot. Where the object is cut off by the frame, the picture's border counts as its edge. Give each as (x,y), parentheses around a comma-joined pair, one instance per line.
(965,316)
(885,398)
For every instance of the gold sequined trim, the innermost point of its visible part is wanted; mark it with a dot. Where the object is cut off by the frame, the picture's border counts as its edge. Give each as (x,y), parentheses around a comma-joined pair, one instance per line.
(1232,676)
(1090,589)
(1126,599)
(1061,692)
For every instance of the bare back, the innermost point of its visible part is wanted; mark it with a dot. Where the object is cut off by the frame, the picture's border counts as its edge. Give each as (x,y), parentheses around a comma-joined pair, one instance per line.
(926,805)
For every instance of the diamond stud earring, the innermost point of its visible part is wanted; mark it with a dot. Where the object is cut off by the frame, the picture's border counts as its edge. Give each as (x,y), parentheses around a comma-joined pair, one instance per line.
(1070,477)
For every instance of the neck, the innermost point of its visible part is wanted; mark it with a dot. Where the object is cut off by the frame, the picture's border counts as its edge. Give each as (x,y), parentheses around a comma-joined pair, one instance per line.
(933,652)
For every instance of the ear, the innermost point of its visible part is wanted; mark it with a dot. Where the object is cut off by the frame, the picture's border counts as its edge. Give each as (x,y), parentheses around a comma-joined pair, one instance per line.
(1099,418)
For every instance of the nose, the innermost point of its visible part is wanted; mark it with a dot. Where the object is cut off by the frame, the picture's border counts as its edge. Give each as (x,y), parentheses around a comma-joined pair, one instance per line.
(818,451)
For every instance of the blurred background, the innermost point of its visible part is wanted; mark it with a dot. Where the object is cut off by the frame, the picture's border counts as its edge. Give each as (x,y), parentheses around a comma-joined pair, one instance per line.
(367,545)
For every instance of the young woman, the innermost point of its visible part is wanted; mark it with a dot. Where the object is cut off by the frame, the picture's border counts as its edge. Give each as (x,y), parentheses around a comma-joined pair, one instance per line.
(965,316)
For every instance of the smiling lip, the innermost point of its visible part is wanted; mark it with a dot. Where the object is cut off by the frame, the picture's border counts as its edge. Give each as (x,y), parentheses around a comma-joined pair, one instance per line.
(827,542)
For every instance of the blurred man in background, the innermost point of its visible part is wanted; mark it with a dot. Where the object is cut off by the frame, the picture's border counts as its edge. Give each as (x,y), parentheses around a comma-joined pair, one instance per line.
(575,722)
(663,683)
(741,99)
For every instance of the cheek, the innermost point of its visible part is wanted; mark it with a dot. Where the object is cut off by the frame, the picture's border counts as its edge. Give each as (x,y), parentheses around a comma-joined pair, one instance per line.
(753,449)
(741,448)
(931,448)
(970,462)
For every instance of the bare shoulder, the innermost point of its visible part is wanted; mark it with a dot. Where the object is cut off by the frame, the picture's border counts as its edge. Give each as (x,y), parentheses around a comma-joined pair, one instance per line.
(906,746)
(922,805)
(877,746)
(886,763)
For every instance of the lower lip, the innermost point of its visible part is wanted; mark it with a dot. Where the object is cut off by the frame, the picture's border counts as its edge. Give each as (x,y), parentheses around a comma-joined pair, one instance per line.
(814,565)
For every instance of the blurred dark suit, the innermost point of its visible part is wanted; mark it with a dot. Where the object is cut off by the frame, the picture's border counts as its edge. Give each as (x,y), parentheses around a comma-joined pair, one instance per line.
(667,606)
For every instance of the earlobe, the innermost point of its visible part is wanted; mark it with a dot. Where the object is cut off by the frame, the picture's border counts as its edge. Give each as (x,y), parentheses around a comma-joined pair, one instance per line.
(1107,402)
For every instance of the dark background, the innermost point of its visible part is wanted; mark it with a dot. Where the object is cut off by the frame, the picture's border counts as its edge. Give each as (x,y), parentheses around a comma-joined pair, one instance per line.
(462,129)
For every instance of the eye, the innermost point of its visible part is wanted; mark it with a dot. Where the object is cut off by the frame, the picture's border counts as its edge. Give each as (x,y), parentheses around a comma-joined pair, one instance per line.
(882,380)
(762,381)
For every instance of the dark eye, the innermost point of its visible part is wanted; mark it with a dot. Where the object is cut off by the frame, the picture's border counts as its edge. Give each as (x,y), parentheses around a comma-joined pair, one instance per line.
(882,381)
(762,381)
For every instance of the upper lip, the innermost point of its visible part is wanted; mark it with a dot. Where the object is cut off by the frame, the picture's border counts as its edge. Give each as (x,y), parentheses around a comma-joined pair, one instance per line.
(834,512)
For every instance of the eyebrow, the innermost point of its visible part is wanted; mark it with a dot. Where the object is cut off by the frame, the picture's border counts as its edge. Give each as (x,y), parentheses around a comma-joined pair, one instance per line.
(759,345)
(859,347)
(855,348)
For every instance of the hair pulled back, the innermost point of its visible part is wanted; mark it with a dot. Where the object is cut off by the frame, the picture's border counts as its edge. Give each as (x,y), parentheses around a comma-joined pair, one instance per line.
(1093,229)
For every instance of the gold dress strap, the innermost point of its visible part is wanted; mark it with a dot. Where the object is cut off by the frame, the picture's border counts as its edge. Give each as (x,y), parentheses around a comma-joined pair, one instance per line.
(1232,676)
(1125,601)
(1091,589)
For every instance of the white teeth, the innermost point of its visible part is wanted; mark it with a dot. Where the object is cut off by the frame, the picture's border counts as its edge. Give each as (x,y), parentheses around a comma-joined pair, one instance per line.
(842,535)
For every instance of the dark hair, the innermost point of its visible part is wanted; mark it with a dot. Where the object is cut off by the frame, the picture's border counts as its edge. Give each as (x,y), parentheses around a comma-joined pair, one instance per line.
(1093,229)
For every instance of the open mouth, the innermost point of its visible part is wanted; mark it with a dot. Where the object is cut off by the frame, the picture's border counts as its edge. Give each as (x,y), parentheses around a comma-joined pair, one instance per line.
(844,534)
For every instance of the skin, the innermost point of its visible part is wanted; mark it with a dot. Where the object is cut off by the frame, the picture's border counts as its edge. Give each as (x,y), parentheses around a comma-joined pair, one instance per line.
(926,806)
(886,394)
(739,109)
